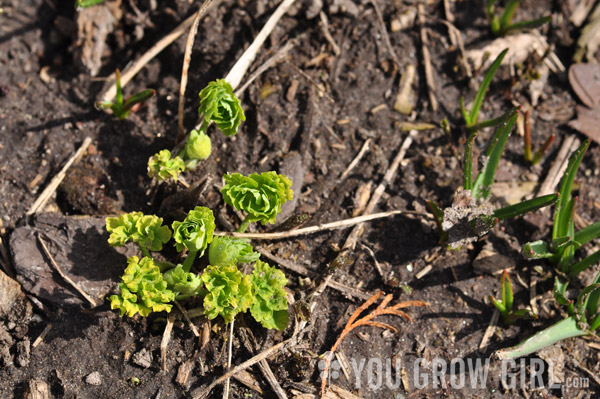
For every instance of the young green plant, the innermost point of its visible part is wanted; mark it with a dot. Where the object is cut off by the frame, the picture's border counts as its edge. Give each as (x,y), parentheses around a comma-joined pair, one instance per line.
(505,303)
(502,24)
(472,216)
(218,105)
(470,117)
(560,250)
(122,108)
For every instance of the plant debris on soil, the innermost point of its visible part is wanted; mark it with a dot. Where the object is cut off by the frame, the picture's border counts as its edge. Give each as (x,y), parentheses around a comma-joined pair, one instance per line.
(308,116)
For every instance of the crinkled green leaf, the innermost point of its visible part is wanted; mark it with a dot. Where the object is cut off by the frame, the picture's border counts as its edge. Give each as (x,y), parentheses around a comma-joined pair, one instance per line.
(163,167)
(229,251)
(143,289)
(196,231)
(183,283)
(261,196)
(145,230)
(536,250)
(219,104)
(229,292)
(270,306)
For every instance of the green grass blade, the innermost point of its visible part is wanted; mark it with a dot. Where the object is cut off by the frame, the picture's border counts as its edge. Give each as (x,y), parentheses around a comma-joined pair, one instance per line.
(488,123)
(483,184)
(507,291)
(566,185)
(537,157)
(508,14)
(588,233)
(119,95)
(465,113)
(485,84)
(138,98)
(559,290)
(88,3)
(593,300)
(534,23)
(468,167)
(525,206)
(584,264)
(566,328)
(499,305)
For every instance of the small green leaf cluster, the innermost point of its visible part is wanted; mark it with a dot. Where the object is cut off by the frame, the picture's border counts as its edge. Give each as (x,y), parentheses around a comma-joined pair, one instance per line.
(121,108)
(142,289)
(505,303)
(259,195)
(148,285)
(218,105)
(501,25)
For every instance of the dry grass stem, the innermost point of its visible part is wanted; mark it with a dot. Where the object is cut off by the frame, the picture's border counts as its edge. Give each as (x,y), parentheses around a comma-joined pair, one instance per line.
(165,341)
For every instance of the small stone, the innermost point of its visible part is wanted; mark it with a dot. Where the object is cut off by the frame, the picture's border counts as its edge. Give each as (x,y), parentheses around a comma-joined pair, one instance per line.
(143,358)
(94,378)
(23,353)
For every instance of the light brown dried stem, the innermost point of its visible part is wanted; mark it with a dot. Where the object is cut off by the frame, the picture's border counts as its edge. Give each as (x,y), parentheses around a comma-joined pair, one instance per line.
(485,340)
(41,337)
(186,66)
(427,59)
(229,354)
(138,64)
(165,340)
(384,33)
(62,274)
(548,186)
(321,227)
(354,322)
(187,318)
(56,180)
(356,160)
(327,34)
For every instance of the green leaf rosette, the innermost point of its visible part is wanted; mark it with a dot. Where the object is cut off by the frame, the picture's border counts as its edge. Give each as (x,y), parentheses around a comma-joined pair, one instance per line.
(163,167)
(229,292)
(145,230)
(143,289)
(270,306)
(229,251)
(184,284)
(219,104)
(261,196)
(196,231)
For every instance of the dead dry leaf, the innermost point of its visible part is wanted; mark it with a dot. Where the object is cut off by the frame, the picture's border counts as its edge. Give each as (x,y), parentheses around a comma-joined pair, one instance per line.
(585,81)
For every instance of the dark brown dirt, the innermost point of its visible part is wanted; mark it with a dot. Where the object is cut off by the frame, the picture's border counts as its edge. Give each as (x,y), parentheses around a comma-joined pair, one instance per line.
(46,110)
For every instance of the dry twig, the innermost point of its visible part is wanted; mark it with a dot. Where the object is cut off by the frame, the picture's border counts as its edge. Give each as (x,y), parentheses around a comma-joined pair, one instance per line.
(356,160)
(63,275)
(427,59)
(354,321)
(165,340)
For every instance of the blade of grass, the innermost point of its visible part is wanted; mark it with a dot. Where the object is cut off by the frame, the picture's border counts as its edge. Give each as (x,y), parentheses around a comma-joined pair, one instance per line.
(527,139)
(488,123)
(468,167)
(568,253)
(485,84)
(592,301)
(528,24)
(536,250)
(525,206)
(508,14)
(485,179)
(537,157)
(507,291)
(584,264)
(566,185)
(588,233)
(138,98)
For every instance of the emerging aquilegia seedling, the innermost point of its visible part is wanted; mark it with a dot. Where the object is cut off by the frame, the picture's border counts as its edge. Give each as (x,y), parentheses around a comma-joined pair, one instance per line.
(472,216)
(561,248)
(218,105)
(501,25)
(505,303)
(470,117)
(122,108)
(149,285)
(537,157)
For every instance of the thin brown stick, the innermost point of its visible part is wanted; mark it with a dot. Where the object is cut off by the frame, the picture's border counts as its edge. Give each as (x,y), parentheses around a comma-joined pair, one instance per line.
(164,342)
(234,77)
(327,34)
(62,274)
(186,66)
(315,229)
(427,59)
(356,160)
(548,186)
(41,337)
(384,33)
(56,180)
(485,340)
(187,318)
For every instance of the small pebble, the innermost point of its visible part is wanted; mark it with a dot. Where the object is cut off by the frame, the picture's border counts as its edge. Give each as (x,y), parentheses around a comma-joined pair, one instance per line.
(94,378)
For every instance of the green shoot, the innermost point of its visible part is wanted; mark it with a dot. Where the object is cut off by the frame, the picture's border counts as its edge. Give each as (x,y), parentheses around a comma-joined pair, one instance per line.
(565,241)
(260,196)
(229,250)
(88,3)
(229,292)
(122,108)
(197,148)
(501,25)
(583,319)
(163,167)
(194,234)
(145,230)
(537,157)
(270,305)
(219,104)
(505,304)
(470,117)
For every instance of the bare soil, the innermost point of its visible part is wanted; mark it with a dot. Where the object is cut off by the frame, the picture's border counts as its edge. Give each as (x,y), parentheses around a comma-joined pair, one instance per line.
(46,110)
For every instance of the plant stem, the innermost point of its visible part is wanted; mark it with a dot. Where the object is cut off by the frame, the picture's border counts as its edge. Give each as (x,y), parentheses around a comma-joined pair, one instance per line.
(229,350)
(245,224)
(189,260)
(145,251)
(527,138)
